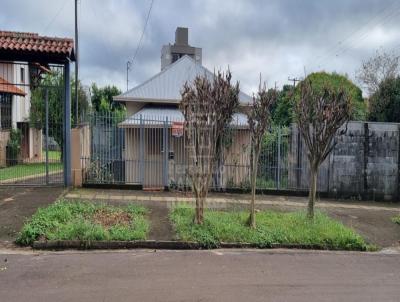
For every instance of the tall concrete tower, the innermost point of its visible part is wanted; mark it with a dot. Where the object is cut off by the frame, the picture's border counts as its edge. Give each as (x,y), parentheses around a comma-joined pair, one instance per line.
(173,52)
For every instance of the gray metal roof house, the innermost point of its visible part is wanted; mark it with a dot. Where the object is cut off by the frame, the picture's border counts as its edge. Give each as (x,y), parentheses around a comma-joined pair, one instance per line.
(159,96)
(155,153)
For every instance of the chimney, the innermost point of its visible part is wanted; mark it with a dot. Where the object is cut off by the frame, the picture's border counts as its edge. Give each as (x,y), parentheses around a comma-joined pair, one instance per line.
(182,36)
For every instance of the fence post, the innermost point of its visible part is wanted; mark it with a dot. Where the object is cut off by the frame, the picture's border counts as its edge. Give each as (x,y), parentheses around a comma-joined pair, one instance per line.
(279,159)
(141,150)
(47,135)
(165,159)
(67,125)
(298,158)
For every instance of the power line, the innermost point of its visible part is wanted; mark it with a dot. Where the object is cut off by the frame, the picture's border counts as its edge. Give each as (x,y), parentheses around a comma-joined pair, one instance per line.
(382,17)
(144,30)
(55,16)
(129,63)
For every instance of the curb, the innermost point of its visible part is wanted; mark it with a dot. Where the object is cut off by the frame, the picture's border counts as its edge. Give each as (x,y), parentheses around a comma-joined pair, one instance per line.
(112,245)
(163,245)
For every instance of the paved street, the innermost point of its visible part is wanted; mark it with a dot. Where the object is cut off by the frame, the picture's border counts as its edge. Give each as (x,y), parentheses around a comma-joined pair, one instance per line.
(220,275)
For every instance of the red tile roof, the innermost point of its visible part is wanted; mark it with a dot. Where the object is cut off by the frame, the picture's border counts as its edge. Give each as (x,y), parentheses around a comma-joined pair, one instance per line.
(32,43)
(7,87)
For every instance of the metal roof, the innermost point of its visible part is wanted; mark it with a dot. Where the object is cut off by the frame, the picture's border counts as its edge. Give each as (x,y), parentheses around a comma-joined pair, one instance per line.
(166,86)
(158,115)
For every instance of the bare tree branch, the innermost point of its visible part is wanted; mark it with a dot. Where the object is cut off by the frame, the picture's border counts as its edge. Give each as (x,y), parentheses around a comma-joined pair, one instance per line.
(258,119)
(319,117)
(378,68)
(208,106)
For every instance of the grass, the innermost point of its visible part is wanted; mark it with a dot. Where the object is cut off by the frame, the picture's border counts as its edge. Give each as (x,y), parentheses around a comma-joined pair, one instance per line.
(272,227)
(396,219)
(69,220)
(23,170)
(53,155)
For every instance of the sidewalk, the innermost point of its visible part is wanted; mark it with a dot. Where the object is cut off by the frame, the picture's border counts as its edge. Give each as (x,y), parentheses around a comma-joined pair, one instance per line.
(216,199)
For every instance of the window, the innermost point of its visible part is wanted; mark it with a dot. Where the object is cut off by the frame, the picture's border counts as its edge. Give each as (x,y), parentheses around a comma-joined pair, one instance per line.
(175,57)
(5,110)
(22,74)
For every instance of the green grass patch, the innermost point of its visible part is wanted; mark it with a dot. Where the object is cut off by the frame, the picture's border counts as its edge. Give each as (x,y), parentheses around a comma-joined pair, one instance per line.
(68,220)
(53,155)
(272,227)
(396,219)
(23,170)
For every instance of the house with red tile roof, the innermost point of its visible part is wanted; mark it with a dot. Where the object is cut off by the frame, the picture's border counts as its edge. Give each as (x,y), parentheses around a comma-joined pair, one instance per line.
(17,79)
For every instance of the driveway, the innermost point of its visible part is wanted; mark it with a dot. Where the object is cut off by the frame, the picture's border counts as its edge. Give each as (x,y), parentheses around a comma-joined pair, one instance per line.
(222,275)
(19,203)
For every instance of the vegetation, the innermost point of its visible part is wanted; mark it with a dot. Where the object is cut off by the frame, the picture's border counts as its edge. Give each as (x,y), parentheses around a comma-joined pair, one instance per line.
(337,83)
(396,219)
(385,102)
(282,111)
(272,227)
(258,119)
(13,146)
(208,107)
(24,170)
(102,99)
(66,220)
(53,84)
(377,69)
(320,112)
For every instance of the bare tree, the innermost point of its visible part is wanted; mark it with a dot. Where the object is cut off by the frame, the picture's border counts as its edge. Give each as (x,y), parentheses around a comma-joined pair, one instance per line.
(258,119)
(378,68)
(319,117)
(208,107)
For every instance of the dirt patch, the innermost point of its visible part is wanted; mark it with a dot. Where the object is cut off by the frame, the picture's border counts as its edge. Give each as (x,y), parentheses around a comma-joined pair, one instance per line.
(108,218)
(19,203)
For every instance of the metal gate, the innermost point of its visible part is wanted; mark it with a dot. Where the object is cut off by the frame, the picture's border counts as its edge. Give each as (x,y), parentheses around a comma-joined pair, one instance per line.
(31,124)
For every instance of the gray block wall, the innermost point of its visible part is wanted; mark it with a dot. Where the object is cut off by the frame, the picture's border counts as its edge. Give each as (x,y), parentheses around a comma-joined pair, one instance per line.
(363,165)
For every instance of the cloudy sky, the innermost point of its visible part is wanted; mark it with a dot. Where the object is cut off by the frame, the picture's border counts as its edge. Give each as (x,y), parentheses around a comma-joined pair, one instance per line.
(277,38)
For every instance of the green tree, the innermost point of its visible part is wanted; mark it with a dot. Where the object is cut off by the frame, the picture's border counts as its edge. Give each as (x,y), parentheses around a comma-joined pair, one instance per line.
(384,104)
(337,83)
(102,98)
(53,83)
(282,111)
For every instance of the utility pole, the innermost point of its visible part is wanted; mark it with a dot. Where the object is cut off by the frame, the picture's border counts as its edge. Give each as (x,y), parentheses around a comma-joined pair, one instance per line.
(76,63)
(294,80)
(128,67)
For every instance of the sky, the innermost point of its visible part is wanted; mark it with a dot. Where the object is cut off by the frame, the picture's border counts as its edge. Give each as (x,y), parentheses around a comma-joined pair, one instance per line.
(275,38)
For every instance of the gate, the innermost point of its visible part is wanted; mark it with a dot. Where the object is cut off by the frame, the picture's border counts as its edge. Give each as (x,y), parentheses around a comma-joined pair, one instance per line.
(31,124)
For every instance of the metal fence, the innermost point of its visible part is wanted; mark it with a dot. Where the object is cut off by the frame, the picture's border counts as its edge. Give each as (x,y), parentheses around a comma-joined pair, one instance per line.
(153,153)
(31,124)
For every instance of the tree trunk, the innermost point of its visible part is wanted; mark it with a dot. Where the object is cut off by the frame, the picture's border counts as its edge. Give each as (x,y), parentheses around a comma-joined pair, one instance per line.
(252,221)
(253,171)
(313,192)
(199,217)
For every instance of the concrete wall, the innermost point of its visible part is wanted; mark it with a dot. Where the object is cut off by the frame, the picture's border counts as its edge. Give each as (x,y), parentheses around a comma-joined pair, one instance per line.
(363,165)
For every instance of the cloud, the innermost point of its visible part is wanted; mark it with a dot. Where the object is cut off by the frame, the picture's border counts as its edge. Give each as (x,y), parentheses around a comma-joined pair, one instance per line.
(277,38)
